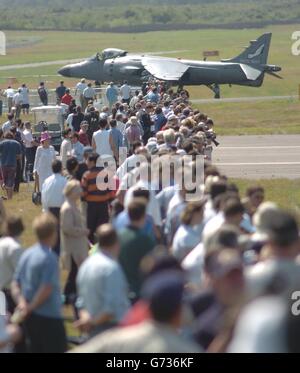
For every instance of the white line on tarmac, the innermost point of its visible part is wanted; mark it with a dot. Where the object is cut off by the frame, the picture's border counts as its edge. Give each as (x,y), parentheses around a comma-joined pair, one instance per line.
(259,164)
(261,147)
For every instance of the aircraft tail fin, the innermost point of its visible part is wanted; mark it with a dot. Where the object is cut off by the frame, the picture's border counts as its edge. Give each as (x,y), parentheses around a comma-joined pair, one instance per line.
(256,53)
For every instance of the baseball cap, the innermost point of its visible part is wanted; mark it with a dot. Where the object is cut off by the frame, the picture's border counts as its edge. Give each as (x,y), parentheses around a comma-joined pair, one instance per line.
(164,293)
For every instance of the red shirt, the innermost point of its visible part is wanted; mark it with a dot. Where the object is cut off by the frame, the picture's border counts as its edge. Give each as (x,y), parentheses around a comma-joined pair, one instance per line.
(67,99)
(84,139)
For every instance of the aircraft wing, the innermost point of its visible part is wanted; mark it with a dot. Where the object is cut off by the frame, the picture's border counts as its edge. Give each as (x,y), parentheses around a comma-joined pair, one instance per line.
(250,72)
(164,68)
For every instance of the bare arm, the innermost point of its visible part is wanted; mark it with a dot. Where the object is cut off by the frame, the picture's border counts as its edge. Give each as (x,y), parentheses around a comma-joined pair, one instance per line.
(113,146)
(94,144)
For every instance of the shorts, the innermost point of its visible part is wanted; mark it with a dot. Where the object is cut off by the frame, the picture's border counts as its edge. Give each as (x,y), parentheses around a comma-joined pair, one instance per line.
(9,175)
(25,106)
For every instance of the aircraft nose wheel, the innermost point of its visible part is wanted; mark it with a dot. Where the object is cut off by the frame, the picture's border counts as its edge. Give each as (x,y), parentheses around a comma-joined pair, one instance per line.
(216,89)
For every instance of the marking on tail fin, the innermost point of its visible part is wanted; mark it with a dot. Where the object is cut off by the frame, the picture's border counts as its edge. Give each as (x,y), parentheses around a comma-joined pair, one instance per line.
(257,53)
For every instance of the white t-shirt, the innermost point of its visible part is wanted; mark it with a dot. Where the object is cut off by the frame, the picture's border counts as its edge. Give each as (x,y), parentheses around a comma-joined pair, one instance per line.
(125,91)
(81,87)
(65,151)
(153,207)
(101,139)
(9,93)
(18,99)
(27,138)
(193,265)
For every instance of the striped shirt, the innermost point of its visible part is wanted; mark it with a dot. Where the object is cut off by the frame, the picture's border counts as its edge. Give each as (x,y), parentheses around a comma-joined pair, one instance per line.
(91,192)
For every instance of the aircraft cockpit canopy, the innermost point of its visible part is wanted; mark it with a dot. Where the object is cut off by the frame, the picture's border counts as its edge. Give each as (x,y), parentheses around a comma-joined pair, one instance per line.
(112,53)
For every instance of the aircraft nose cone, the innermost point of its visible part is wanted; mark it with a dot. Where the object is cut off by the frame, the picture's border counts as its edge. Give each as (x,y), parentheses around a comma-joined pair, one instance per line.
(65,71)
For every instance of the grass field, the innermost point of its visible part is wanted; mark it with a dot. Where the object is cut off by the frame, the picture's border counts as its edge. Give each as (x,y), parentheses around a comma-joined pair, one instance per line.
(255,118)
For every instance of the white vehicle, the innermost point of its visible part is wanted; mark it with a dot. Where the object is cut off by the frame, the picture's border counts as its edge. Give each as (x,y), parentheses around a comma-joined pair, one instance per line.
(51,119)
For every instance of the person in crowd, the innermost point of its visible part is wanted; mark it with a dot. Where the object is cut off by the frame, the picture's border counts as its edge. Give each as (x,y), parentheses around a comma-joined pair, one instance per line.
(82,167)
(60,92)
(30,145)
(80,87)
(102,287)
(92,117)
(10,253)
(147,122)
(77,147)
(279,271)
(102,142)
(159,119)
(222,297)
(9,93)
(45,155)
(152,96)
(67,98)
(188,235)
(52,195)
(72,167)
(135,99)
(74,237)
(7,126)
(117,138)
(18,102)
(83,136)
(132,134)
(10,151)
(89,94)
(121,126)
(43,93)
(122,220)
(36,291)
(125,92)
(77,119)
(66,147)
(17,135)
(164,294)
(135,245)
(255,196)
(25,99)
(97,199)
(111,94)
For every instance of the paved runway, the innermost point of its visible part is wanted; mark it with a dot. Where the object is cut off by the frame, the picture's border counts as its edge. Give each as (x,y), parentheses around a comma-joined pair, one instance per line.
(259,157)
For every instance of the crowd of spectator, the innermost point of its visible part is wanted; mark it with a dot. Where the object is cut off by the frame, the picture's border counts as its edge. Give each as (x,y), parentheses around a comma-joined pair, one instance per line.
(153,262)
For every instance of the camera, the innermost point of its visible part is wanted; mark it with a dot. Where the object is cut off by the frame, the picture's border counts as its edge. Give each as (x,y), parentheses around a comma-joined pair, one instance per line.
(211,136)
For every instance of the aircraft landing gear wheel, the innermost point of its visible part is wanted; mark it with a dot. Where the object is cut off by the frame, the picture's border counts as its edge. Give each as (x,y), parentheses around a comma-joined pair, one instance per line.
(217,91)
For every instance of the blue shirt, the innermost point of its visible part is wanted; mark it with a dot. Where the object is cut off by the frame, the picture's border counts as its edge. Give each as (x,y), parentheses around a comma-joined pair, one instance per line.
(152,97)
(37,267)
(77,151)
(159,121)
(122,221)
(9,150)
(117,137)
(112,94)
(102,287)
